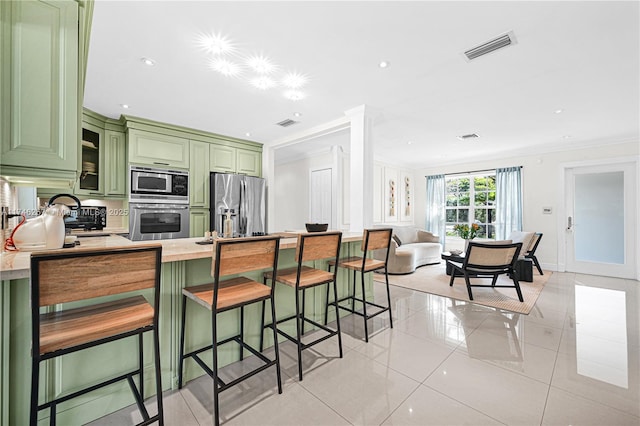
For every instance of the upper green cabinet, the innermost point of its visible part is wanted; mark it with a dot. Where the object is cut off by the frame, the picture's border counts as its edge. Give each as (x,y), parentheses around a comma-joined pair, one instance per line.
(115,160)
(199,174)
(92,170)
(235,160)
(157,149)
(39,88)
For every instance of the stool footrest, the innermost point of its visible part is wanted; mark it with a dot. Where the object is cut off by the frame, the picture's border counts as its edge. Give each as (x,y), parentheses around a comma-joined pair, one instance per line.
(353,311)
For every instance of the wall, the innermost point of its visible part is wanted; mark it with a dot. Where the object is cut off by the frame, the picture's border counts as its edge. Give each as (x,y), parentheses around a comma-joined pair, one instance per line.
(291,190)
(541,188)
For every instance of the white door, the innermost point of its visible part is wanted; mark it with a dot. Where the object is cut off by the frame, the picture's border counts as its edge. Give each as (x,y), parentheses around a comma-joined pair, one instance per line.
(600,228)
(321,198)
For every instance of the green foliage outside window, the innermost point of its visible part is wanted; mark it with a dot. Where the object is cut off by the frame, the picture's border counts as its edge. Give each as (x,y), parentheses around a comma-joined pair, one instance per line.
(469,200)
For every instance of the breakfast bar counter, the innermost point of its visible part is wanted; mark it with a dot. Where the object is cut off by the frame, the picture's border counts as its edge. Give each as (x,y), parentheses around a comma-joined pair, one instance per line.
(184,263)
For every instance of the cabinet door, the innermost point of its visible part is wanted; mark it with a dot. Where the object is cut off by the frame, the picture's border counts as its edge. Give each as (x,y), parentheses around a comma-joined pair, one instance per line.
(198,222)
(199,174)
(91,179)
(157,149)
(115,160)
(223,159)
(39,90)
(249,162)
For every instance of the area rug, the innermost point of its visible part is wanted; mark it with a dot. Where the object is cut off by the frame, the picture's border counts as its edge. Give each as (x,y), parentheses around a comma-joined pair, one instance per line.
(432,279)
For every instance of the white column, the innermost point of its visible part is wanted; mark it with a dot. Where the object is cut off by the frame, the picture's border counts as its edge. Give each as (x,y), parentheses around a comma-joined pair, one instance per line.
(268,172)
(361,168)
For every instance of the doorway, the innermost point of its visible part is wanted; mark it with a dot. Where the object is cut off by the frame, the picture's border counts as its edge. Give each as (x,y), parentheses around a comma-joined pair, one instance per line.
(321,197)
(600,231)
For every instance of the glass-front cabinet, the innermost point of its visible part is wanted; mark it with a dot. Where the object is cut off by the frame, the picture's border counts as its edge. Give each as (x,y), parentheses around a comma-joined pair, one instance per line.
(91,171)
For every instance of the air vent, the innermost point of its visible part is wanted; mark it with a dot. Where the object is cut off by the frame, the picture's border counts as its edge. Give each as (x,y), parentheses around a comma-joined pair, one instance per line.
(469,136)
(497,43)
(286,123)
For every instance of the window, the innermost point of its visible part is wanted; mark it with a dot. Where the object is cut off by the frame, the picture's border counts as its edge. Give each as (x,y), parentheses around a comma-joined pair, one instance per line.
(471,198)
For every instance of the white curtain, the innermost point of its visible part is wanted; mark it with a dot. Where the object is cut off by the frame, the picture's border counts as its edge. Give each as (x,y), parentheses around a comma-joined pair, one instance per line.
(508,201)
(435,219)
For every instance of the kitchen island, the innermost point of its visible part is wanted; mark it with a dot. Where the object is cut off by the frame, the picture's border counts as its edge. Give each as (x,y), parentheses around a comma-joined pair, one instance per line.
(184,263)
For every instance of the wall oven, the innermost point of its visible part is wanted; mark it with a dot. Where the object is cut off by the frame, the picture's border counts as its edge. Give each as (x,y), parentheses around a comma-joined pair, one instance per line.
(158,221)
(158,204)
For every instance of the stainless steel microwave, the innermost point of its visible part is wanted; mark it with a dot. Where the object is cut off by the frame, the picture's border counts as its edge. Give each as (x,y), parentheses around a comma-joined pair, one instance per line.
(150,185)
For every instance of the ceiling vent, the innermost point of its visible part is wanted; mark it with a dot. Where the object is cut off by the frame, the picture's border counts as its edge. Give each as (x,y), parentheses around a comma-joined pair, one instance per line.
(286,123)
(469,136)
(497,43)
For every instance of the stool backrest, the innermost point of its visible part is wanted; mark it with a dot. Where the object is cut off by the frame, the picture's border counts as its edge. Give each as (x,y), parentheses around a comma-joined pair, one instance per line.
(374,239)
(490,256)
(238,255)
(318,245)
(62,276)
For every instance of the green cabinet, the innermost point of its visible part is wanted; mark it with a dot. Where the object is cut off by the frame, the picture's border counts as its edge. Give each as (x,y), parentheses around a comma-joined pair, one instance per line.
(91,179)
(115,164)
(235,160)
(198,174)
(39,88)
(156,149)
(198,222)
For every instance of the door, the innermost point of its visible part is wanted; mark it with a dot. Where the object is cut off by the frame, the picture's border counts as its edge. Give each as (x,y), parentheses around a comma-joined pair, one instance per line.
(321,197)
(600,229)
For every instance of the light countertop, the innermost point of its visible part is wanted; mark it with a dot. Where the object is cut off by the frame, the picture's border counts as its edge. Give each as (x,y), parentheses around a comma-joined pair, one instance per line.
(17,264)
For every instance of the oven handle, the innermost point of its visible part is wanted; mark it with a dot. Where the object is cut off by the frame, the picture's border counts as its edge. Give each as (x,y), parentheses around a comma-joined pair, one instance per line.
(161,207)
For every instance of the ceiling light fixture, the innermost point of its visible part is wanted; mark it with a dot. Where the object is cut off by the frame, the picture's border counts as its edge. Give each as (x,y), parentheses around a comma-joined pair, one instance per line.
(297,114)
(261,65)
(383,64)
(215,44)
(409,142)
(294,80)
(468,136)
(294,95)
(263,83)
(148,61)
(248,134)
(125,106)
(559,111)
(225,67)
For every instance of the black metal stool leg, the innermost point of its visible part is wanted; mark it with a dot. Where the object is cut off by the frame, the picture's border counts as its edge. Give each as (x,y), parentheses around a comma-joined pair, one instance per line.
(304,303)
(262,326)
(386,276)
(353,294)
(182,328)
(241,332)
(364,308)
(335,294)
(156,349)
(216,387)
(141,363)
(275,343)
(298,334)
(35,381)
(326,308)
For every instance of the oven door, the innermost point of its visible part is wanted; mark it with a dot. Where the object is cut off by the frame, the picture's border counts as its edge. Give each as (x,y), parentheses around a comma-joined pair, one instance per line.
(143,182)
(158,221)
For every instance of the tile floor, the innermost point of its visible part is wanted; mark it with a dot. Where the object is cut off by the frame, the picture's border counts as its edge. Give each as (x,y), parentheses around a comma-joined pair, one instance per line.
(573,361)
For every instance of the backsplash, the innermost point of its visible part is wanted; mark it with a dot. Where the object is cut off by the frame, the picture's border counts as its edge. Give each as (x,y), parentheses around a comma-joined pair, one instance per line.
(117,210)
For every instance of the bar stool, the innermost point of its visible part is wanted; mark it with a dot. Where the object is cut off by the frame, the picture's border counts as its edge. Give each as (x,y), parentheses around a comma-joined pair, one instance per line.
(63,276)
(310,247)
(232,256)
(372,239)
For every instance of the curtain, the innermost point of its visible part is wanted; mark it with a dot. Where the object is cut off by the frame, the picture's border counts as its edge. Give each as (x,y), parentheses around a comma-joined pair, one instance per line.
(435,217)
(508,201)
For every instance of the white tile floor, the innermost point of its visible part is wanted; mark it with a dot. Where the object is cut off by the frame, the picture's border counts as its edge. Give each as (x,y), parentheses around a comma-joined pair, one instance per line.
(573,361)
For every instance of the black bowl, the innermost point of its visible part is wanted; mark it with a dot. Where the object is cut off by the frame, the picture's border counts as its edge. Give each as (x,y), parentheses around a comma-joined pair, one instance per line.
(316,227)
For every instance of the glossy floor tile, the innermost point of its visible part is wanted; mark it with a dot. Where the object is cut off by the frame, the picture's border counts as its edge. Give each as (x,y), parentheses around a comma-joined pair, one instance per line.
(574,360)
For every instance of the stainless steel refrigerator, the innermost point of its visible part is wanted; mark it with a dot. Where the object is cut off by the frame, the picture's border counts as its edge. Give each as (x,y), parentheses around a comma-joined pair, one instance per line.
(244,196)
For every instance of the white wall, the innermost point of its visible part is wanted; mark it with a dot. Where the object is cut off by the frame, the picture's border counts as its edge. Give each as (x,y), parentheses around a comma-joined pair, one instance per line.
(291,190)
(541,187)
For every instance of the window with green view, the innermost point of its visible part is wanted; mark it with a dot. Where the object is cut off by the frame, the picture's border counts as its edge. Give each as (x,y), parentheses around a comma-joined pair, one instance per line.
(471,199)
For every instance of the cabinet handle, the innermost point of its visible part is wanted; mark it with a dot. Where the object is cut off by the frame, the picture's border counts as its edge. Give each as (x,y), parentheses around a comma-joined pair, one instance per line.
(162,164)
(95,193)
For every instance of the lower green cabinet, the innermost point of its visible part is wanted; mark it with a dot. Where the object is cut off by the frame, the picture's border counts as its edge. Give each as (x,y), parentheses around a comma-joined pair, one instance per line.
(198,222)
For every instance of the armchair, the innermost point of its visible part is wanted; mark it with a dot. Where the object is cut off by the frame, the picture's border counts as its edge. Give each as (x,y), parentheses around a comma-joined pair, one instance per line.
(488,260)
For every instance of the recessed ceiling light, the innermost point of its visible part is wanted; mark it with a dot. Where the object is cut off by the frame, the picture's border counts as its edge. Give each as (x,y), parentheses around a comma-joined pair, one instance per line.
(148,61)
(294,95)
(125,106)
(558,111)
(248,134)
(260,64)
(297,114)
(384,64)
(566,137)
(215,44)
(225,67)
(263,83)
(409,142)
(294,80)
